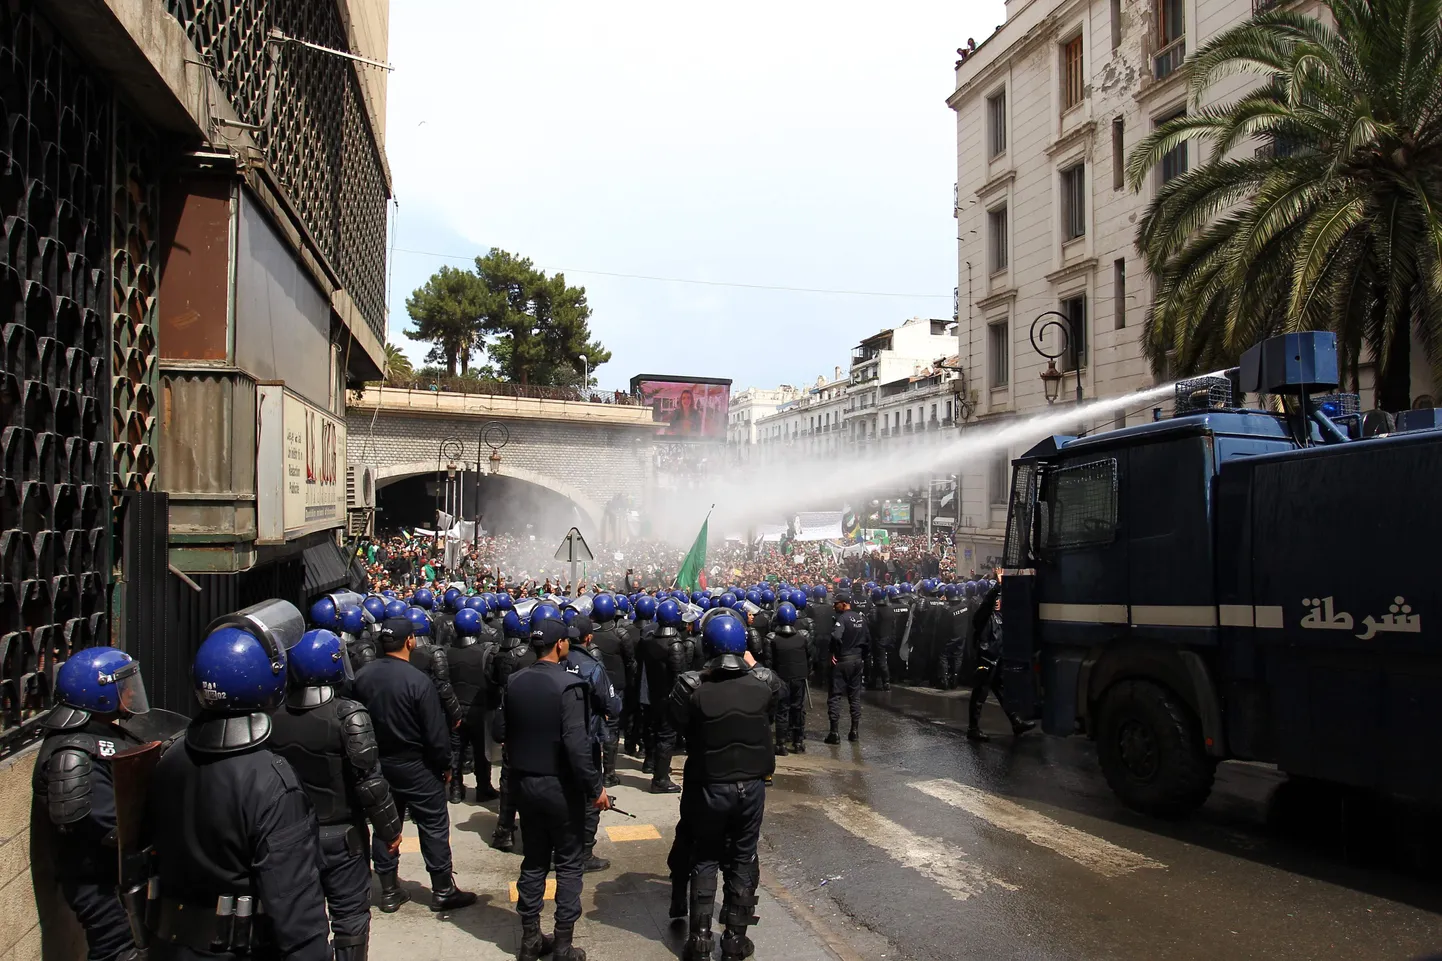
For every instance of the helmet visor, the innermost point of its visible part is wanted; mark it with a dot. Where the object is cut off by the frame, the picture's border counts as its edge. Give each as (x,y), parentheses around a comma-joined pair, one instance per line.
(346,668)
(130,690)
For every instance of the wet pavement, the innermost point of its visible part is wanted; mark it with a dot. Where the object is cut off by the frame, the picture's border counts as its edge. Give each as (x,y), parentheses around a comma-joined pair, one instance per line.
(918,844)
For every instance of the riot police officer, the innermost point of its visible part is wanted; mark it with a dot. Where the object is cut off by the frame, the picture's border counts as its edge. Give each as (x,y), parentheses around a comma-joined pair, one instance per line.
(97,691)
(727,712)
(792,652)
(959,601)
(605,710)
(515,655)
(233,828)
(882,622)
(850,640)
(443,616)
(544,723)
(432,660)
(330,743)
(663,657)
(986,629)
(415,750)
(618,653)
(470,659)
(823,619)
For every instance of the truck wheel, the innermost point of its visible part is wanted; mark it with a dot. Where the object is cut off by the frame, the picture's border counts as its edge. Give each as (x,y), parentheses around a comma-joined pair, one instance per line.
(1150,748)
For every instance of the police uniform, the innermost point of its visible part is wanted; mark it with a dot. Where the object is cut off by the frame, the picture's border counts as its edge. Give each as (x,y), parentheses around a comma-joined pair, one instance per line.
(663,656)
(73,785)
(617,648)
(515,655)
(544,721)
(470,660)
(415,754)
(850,640)
(987,630)
(433,661)
(605,708)
(792,653)
(727,712)
(330,743)
(823,620)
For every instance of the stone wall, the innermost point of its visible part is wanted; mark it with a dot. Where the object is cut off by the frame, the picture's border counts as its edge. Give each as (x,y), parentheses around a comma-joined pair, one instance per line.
(35,921)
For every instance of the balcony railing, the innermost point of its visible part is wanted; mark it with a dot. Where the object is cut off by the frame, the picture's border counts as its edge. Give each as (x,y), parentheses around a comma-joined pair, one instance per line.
(1170,57)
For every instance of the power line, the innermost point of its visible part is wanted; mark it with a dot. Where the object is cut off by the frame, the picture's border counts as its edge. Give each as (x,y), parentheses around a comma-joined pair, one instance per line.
(690,280)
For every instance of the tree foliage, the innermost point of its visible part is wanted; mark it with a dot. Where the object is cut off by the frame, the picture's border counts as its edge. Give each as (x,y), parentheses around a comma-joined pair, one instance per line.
(532,328)
(1335,224)
(398,365)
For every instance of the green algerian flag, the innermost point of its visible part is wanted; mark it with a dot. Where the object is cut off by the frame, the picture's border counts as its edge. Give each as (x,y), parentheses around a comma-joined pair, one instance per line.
(695,560)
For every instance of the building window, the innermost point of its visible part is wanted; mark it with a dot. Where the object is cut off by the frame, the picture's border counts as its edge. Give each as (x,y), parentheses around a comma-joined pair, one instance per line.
(997,353)
(996,124)
(1171,38)
(996,235)
(1119,292)
(1075,309)
(998,485)
(1120,420)
(1079,506)
(1116,23)
(1073,202)
(1119,154)
(1174,163)
(1073,84)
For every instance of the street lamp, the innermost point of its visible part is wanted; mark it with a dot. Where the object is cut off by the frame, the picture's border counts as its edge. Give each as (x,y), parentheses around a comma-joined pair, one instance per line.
(450,451)
(494,435)
(585,372)
(1051,377)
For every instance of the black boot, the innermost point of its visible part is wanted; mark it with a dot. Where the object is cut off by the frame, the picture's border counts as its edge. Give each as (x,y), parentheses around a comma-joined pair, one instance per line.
(484,791)
(699,944)
(456,793)
(563,950)
(834,736)
(798,744)
(504,839)
(781,748)
(392,897)
(534,944)
(593,863)
(975,733)
(648,765)
(1020,727)
(608,764)
(661,782)
(468,761)
(679,903)
(445,896)
(854,734)
(735,945)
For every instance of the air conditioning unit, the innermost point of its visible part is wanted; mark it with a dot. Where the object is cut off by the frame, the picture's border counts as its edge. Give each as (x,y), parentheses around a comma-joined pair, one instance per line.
(360,487)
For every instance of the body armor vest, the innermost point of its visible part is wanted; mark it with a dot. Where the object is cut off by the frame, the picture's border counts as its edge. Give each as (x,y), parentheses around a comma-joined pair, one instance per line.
(788,655)
(312,740)
(533,711)
(608,642)
(468,673)
(730,728)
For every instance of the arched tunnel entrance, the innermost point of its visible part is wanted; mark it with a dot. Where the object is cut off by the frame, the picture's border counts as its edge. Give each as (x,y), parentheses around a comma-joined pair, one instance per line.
(505,504)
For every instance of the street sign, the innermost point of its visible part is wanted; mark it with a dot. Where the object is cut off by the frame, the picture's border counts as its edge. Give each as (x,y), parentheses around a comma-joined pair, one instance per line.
(573,548)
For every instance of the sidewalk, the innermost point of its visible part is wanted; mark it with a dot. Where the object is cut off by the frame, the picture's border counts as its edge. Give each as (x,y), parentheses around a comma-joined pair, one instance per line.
(623,909)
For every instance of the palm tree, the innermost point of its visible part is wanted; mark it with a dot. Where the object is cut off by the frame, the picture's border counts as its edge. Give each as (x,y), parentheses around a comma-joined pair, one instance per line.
(398,365)
(1335,224)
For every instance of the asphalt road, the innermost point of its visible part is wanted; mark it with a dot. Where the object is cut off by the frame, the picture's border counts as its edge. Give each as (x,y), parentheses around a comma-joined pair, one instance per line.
(917,844)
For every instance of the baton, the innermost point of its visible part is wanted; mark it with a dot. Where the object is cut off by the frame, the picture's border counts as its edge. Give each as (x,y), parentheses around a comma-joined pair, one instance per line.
(621,812)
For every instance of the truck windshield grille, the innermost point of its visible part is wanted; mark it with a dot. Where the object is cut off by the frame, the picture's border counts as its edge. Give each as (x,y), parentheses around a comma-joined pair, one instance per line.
(1080,505)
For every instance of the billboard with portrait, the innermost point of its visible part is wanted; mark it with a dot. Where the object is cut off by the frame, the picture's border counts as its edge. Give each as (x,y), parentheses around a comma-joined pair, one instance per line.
(896,512)
(694,407)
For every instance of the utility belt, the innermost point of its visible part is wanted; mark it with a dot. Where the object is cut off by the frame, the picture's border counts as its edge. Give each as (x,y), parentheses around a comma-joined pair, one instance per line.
(853,656)
(235,924)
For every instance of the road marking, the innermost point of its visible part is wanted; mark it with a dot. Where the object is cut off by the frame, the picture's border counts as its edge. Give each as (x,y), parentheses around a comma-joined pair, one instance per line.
(933,858)
(1103,857)
(632,832)
(550,894)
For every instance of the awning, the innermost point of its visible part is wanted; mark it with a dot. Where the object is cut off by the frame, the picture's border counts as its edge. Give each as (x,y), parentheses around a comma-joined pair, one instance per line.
(326,568)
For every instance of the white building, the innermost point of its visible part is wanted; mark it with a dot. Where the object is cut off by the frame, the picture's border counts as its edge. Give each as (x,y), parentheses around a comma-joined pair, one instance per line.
(752,404)
(812,424)
(1047,110)
(887,357)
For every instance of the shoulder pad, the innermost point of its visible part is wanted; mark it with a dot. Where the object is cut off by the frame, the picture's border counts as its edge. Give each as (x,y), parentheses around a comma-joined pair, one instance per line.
(358,734)
(67,784)
(690,680)
(763,673)
(285,772)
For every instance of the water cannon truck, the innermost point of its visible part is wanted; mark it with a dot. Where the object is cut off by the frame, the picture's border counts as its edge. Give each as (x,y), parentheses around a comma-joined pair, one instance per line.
(1233,583)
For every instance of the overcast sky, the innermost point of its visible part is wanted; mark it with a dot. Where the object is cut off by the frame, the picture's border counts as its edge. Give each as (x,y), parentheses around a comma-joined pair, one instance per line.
(777,144)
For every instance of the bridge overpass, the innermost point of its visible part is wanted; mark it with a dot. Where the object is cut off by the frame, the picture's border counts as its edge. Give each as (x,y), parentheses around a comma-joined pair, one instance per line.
(581,452)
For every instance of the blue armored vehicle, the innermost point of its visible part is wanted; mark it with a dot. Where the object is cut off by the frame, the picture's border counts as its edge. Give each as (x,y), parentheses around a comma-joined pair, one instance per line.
(1235,584)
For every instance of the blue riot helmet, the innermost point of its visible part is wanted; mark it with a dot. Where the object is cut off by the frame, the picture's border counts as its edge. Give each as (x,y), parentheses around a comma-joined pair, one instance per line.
(420,620)
(389,594)
(969,589)
(478,604)
(603,608)
(511,625)
(505,602)
(668,613)
(240,666)
(754,597)
(723,635)
(452,598)
(352,619)
(786,613)
(323,613)
(768,596)
(102,680)
(543,611)
(468,622)
(423,599)
(871,585)
(704,603)
(727,600)
(376,606)
(845,584)
(696,597)
(877,595)
(319,660)
(892,591)
(623,603)
(819,592)
(951,591)
(906,587)
(645,607)
(569,614)
(396,608)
